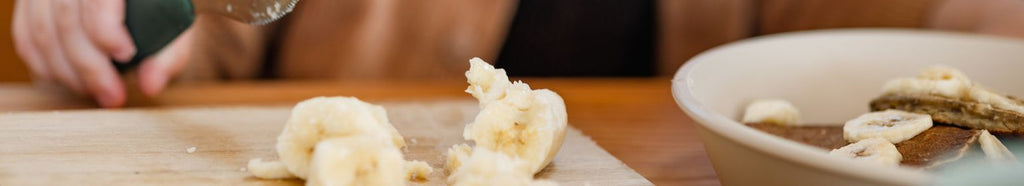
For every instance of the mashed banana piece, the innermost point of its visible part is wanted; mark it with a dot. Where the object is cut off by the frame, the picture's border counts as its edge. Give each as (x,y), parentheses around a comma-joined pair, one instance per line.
(322,117)
(457,154)
(326,139)
(515,120)
(356,160)
(517,132)
(268,169)
(417,170)
(486,168)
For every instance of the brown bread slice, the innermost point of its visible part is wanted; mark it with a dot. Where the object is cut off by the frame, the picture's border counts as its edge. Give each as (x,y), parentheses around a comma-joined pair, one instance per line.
(826,137)
(954,111)
(934,147)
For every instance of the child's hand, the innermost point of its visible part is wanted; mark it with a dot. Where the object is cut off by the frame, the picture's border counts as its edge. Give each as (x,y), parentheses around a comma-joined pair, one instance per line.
(73,42)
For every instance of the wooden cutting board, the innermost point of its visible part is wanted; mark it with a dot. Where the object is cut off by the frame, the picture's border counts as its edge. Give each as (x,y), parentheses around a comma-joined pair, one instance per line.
(149,147)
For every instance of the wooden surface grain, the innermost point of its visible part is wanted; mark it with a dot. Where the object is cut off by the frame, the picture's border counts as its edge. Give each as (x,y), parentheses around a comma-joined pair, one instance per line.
(636,120)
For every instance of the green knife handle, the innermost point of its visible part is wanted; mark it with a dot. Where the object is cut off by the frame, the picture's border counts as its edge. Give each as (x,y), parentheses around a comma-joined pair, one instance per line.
(153,24)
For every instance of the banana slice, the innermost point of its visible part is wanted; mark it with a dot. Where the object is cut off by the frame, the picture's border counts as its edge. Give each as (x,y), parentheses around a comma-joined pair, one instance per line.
(950,89)
(485,168)
(515,120)
(994,149)
(356,160)
(775,111)
(892,125)
(983,95)
(872,150)
(943,73)
(937,80)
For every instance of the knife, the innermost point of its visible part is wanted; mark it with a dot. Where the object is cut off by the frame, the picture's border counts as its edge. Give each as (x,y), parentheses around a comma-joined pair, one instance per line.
(155,23)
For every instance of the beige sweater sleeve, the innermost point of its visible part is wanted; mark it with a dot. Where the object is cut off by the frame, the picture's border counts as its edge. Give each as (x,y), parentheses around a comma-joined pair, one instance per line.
(357,39)
(693,26)
(792,15)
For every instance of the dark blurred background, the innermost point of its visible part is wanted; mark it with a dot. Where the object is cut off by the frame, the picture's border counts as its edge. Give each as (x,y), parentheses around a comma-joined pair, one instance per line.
(581,38)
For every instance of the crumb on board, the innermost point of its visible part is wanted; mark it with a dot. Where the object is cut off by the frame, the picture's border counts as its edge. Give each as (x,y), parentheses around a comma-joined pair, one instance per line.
(413,141)
(190,150)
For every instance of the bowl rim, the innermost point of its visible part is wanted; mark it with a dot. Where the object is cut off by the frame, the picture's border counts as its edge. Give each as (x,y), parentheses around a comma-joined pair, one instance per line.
(800,154)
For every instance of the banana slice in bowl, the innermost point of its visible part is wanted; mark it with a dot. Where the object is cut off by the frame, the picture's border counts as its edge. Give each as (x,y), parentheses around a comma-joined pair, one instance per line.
(935,80)
(774,111)
(877,150)
(994,149)
(892,125)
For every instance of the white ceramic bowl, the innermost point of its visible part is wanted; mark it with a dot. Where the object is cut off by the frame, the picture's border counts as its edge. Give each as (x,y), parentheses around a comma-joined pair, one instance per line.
(830,76)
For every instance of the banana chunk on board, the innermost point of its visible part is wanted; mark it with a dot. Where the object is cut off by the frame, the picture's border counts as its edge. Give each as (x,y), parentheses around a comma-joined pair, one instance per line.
(418,170)
(338,131)
(514,119)
(485,168)
(320,118)
(517,132)
(356,160)
(268,169)
(457,155)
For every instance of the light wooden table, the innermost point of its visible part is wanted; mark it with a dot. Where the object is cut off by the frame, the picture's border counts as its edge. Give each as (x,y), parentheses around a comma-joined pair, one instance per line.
(636,120)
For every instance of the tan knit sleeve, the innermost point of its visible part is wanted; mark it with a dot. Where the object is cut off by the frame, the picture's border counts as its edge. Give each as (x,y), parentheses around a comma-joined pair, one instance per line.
(792,15)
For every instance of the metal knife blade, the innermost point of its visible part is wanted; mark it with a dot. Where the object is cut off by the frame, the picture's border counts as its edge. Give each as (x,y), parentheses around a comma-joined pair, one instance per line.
(256,12)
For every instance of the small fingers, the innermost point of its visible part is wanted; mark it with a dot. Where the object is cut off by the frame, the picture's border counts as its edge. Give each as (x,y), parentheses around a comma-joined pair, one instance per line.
(91,65)
(156,71)
(44,37)
(103,22)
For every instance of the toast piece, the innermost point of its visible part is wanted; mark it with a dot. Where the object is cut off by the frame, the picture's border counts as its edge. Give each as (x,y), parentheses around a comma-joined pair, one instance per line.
(936,146)
(826,136)
(932,148)
(957,112)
